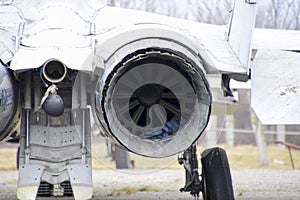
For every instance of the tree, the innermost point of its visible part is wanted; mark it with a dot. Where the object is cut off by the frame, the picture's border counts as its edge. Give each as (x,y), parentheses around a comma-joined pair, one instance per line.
(282,14)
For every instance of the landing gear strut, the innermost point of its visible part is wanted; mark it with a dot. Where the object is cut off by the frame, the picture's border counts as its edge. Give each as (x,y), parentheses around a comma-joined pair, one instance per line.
(215,183)
(190,163)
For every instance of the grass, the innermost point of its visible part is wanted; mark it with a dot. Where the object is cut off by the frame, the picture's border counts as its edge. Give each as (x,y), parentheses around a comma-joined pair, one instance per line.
(246,157)
(8,159)
(240,157)
(132,190)
(240,192)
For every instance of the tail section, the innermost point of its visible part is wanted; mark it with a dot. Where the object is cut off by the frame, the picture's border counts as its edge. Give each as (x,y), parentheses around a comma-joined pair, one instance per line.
(241,29)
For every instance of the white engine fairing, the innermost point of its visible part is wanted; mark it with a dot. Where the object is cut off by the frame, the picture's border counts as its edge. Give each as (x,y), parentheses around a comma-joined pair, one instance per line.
(163,61)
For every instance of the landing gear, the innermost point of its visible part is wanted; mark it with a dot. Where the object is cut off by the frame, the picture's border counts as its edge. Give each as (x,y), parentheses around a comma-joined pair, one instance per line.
(190,163)
(215,183)
(216,177)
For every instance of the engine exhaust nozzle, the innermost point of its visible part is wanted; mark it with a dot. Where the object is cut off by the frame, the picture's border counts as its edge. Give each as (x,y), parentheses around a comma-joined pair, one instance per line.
(154,102)
(54,71)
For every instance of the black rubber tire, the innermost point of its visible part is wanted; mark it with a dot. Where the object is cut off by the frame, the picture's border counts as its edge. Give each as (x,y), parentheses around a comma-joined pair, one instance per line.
(216,176)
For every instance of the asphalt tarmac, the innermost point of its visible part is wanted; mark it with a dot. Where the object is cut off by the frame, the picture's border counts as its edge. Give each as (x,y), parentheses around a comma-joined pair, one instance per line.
(165,185)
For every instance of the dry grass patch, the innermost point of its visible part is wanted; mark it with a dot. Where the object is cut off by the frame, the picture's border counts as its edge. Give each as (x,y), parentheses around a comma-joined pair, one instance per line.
(132,190)
(246,157)
(240,157)
(8,159)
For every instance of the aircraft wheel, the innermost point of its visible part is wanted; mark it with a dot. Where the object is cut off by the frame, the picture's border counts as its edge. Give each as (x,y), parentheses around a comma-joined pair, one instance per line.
(216,177)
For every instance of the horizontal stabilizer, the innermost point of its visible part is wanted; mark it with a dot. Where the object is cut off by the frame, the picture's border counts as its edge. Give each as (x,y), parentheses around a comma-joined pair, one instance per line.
(276,87)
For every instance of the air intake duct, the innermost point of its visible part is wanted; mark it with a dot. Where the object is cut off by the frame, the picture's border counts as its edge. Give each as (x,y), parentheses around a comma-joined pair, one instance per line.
(9,105)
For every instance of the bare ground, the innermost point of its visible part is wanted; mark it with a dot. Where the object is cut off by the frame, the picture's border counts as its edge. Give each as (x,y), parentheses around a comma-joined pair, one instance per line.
(164,185)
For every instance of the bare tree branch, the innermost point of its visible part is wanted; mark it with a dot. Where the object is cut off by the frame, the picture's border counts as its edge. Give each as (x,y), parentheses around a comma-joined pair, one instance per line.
(271,13)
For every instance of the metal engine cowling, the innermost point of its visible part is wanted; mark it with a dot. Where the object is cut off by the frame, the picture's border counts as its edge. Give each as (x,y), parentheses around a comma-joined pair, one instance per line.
(155,102)
(9,115)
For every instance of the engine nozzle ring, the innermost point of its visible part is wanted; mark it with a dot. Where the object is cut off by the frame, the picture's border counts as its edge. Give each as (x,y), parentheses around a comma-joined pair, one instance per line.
(54,71)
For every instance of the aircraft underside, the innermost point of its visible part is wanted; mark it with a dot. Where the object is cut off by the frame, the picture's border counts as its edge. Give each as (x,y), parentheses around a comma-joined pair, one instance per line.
(55,150)
(54,156)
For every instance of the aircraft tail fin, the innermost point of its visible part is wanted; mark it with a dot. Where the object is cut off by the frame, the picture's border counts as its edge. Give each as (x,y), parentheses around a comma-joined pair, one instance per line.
(241,28)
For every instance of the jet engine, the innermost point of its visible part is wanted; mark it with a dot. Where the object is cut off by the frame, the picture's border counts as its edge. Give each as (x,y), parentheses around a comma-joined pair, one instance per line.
(155,102)
(9,105)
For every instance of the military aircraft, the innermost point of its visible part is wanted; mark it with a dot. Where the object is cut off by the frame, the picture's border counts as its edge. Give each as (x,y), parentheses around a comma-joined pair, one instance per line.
(143,75)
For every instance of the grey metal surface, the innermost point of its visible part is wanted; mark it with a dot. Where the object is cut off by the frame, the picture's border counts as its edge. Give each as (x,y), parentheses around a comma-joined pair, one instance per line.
(55,136)
(80,174)
(30,175)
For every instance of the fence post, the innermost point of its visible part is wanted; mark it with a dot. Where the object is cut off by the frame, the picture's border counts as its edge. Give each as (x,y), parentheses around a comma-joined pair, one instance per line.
(280,136)
(261,144)
(259,133)
(230,130)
